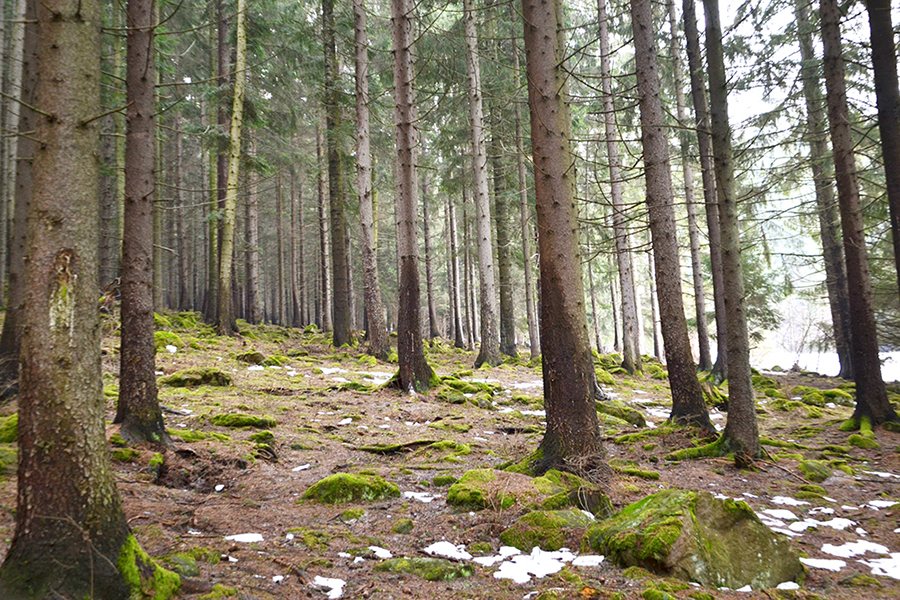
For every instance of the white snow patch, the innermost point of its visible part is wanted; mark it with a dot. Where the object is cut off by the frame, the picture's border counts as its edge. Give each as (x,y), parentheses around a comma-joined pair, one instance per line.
(301,467)
(346,421)
(245,538)
(220,487)
(788,501)
(504,553)
(277,578)
(821,510)
(335,586)
(256,368)
(888,567)
(331,370)
(746,588)
(824,563)
(851,549)
(882,475)
(448,550)
(877,504)
(194,532)
(420,496)
(781,513)
(788,585)
(521,567)
(587,560)
(172,349)
(381,552)
(527,385)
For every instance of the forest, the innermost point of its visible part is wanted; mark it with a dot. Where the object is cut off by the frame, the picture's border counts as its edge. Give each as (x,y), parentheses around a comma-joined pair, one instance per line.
(450,299)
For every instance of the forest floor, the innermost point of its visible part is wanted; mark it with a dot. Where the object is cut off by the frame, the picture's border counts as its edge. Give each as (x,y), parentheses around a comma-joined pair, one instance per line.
(219,483)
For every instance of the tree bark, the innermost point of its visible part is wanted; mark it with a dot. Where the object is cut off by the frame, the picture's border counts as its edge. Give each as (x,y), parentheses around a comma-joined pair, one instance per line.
(458,335)
(572,440)
(872,403)
(324,245)
(823,180)
(294,270)
(489,352)
(225,323)
(251,225)
(414,373)
(707,171)
(687,398)
(279,290)
(705,358)
(741,430)
(630,342)
(70,526)
(433,329)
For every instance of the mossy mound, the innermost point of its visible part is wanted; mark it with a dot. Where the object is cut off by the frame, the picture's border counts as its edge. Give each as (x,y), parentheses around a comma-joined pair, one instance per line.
(815,470)
(603,377)
(450,395)
(341,488)
(808,395)
(196,377)
(696,537)
(839,396)
(161,339)
(9,429)
(403,526)
(549,530)
(253,357)
(618,409)
(243,420)
(431,569)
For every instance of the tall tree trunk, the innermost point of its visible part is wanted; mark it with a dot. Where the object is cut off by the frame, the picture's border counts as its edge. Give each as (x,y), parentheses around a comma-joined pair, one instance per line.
(490,329)
(458,339)
(654,307)
(324,245)
(823,180)
(534,337)
(707,171)
(182,239)
(572,440)
(279,288)
(138,408)
(11,336)
(705,363)
(741,430)
(630,342)
(468,291)
(887,98)
(294,271)
(251,225)
(595,317)
(872,405)
(687,398)
(71,532)
(433,330)
(339,251)
(225,324)
(414,373)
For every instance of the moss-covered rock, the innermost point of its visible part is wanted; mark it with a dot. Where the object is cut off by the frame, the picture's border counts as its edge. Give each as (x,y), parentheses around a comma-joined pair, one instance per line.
(196,377)
(403,526)
(696,537)
(861,441)
(549,530)
(450,395)
(432,569)
(253,357)
(815,470)
(346,487)
(9,429)
(243,420)
(617,408)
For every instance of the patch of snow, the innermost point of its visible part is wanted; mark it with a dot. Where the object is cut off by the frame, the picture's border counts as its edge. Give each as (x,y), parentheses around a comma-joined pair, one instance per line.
(345,555)
(346,421)
(788,501)
(877,504)
(788,585)
(301,467)
(277,578)
(587,560)
(861,531)
(256,368)
(194,532)
(851,549)
(650,425)
(335,586)
(289,536)
(245,538)
(504,553)
(781,513)
(381,552)
(838,523)
(331,370)
(479,439)
(527,384)
(882,475)
(229,558)
(824,563)
(821,510)
(220,487)
(538,564)
(888,567)
(746,588)
(448,550)
(786,532)
(172,349)
(275,367)
(420,496)
(749,495)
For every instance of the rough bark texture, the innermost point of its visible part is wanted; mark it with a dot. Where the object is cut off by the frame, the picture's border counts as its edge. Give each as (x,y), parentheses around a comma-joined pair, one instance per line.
(572,439)
(490,328)
(687,398)
(871,396)
(324,301)
(458,339)
(251,266)
(294,271)
(704,143)
(887,97)
(823,180)
(376,330)
(414,373)
(225,319)
(433,330)
(138,408)
(630,342)
(11,336)
(741,430)
(705,358)
(340,267)
(70,526)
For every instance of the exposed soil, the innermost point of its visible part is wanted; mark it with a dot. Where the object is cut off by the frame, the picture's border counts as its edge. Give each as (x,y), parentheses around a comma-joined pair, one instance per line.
(221,486)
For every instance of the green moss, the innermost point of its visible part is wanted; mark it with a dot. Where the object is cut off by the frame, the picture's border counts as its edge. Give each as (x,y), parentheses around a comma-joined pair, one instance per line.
(196,377)
(619,409)
(781,443)
(431,569)
(345,487)
(627,467)
(701,596)
(473,491)
(655,594)
(218,592)
(403,526)
(603,377)
(352,514)
(452,447)
(262,437)
(125,454)
(242,420)
(9,429)
(166,338)
(314,539)
(713,449)
(9,458)
(815,470)
(550,530)
(192,435)
(838,396)
(812,488)
(450,395)
(860,580)
(144,577)
(443,480)
(252,357)
(860,441)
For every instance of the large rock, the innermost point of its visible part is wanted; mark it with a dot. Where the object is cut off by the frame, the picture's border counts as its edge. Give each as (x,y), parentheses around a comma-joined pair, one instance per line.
(696,537)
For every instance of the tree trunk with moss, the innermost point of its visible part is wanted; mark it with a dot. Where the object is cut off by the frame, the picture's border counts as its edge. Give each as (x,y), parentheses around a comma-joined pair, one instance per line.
(572,439)
(687,397)
(872,403)
(70,526)
(138,407)
(414,373)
